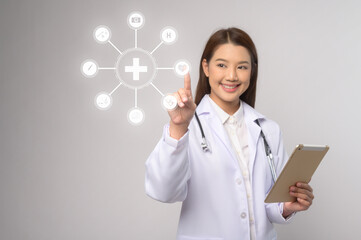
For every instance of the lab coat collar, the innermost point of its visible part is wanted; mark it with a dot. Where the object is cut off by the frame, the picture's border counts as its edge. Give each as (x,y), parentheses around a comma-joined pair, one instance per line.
(205,108)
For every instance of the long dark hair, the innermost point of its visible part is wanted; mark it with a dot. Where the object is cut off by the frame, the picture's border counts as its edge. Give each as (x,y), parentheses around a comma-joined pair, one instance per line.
(237,37)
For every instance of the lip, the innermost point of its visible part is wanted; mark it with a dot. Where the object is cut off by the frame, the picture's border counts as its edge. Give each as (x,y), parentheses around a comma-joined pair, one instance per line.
(236,86)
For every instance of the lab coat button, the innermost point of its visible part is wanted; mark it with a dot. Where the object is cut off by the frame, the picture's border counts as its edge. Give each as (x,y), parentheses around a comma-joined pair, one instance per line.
(238,181)
(243,215)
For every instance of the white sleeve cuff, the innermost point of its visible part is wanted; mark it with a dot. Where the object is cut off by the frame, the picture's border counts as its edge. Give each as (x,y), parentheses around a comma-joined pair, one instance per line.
(287,219)
(171,141)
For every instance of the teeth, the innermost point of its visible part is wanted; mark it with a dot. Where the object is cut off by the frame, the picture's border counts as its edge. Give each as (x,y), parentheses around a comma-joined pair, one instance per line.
(229,87)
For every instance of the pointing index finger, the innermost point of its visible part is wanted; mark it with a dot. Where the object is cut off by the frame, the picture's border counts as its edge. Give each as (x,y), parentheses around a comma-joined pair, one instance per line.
(187,82)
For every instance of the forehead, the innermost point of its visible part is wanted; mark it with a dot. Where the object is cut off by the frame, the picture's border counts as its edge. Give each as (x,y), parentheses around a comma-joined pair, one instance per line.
(231,52)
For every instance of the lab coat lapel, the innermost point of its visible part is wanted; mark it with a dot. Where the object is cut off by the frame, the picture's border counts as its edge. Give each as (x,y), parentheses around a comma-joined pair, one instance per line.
(250,115)
(216,126)
(221,133)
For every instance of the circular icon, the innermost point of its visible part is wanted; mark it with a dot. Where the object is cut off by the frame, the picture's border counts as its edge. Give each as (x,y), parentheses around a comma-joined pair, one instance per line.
(169,35)
(102,34)
(136,20)
(136,68)
(169,102)
(103,101)
(136,116)
(89,68)
(182,67)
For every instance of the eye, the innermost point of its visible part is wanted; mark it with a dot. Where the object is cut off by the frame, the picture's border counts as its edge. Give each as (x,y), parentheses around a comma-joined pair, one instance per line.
(243,67)
(221,65)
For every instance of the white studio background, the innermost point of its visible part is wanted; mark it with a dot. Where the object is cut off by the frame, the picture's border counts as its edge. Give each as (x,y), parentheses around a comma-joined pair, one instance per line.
(309,83)
(71,171)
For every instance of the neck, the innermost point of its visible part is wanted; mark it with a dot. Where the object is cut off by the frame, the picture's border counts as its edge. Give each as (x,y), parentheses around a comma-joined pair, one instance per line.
(229,107)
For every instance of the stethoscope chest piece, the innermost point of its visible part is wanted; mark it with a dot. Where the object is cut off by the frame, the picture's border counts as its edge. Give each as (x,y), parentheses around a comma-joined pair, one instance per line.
(205,145)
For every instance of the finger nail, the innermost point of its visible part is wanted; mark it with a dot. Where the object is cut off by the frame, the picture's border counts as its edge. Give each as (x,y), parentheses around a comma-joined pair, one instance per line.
(185,99)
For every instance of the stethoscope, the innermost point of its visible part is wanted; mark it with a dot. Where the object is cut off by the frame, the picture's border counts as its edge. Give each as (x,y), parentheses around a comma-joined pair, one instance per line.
(206,148)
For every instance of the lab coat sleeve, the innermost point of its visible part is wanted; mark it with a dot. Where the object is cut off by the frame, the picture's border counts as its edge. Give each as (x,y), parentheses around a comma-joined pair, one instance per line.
(168,169)
(275,210)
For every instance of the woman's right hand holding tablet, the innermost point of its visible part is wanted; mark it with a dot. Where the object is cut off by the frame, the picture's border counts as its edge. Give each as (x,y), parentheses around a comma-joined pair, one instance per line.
(183,114)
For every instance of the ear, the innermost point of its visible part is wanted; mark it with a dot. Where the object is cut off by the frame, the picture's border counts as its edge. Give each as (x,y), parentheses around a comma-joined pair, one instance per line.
(205,67)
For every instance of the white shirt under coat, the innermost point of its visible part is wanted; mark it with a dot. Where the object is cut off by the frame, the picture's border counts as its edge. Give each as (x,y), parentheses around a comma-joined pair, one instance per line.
(215,205)
(237,133)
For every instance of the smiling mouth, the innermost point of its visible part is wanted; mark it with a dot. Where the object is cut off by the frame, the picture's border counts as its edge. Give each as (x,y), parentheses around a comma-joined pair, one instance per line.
(230,86)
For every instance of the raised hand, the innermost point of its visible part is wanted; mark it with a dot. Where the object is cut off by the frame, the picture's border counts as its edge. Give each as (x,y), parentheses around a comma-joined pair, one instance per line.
(183,114)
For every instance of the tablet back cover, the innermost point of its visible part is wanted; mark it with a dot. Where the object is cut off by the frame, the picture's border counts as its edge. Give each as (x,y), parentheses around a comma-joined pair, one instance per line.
(299,168)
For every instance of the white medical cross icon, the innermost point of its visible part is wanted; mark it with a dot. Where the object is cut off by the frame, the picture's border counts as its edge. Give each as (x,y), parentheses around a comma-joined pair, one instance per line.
(128,68)
(136,69)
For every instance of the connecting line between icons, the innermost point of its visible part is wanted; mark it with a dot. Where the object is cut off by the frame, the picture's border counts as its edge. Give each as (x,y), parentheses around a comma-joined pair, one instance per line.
(157,89)
(115,89)
(107,68)
(170,68)
(115,47)
(156,47)
(130,62)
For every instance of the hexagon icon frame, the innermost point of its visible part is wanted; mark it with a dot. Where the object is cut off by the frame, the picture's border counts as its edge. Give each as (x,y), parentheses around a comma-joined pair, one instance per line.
(135,67)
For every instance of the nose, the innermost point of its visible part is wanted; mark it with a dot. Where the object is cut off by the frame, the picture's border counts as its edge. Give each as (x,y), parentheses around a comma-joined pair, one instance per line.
(232,74)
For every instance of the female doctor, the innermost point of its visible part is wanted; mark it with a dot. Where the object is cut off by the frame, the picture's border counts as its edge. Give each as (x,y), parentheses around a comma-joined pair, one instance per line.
(223,181)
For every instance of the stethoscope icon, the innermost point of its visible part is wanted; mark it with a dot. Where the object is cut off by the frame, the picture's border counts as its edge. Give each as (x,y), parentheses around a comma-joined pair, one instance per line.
(206,148)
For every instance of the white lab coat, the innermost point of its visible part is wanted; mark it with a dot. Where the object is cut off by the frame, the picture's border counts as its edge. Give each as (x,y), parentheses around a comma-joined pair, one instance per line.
(210,185)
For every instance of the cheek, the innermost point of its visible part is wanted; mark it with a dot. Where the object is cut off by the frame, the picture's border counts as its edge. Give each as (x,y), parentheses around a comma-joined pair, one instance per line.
(212,82)
(247,83)
(215,77)
(246,78)
(215,71)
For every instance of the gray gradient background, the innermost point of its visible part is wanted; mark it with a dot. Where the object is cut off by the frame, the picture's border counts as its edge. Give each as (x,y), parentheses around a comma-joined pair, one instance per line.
(70,171)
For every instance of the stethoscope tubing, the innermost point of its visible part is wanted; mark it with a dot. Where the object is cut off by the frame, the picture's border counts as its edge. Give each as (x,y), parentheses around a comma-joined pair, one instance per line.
(270,159)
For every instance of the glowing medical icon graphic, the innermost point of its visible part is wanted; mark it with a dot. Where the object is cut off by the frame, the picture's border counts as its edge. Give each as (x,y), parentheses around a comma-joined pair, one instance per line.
(169,35)
(182,67)
(169,102)
(103,101)
(89,68)
(102,34)
(136,20)
(136,69)
(136,116)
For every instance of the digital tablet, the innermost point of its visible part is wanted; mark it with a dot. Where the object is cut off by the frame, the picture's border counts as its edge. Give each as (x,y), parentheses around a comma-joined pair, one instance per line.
(299,168)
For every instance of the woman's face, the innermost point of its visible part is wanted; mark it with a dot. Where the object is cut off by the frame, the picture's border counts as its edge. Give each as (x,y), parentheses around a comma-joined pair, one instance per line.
(229,73)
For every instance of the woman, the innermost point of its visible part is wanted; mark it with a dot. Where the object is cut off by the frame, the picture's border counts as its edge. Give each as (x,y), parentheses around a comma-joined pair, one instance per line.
(222,190)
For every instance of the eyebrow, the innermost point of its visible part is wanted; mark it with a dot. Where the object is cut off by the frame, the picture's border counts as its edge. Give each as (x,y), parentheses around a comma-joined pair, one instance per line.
(224,60)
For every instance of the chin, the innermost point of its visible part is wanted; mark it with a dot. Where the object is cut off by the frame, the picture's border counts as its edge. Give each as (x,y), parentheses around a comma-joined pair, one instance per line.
(231,99)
